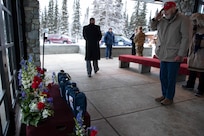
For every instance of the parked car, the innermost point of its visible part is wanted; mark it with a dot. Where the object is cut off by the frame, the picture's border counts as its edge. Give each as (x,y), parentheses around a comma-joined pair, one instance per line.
(57,38)
(119,41)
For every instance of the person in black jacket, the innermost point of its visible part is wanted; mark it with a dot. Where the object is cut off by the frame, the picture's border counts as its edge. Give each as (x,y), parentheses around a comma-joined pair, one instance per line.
(92,35)
(133,43)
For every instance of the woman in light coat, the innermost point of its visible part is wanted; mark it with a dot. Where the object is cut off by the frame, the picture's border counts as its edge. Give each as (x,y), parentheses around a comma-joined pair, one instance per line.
(196,55)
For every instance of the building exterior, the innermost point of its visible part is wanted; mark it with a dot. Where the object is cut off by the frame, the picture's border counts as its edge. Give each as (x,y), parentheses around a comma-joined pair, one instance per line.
(19,37)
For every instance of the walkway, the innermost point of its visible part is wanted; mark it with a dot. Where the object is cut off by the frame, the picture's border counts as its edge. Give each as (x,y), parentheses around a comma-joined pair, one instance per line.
(121,101)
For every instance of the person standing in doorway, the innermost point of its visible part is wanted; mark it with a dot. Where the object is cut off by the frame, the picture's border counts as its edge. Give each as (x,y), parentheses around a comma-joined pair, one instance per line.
(139,41)
(174,34)
(92,35)
(133,43)
(109,40)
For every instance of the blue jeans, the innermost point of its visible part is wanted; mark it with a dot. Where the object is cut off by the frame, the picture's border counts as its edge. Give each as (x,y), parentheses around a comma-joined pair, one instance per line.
(89,67)
(168,75)
(108,51)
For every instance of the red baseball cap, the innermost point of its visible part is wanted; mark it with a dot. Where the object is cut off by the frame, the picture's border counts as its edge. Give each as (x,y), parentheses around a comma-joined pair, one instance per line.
(169,4)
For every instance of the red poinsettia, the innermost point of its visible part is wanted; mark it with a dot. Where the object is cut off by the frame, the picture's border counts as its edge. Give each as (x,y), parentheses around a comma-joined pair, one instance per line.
(40,105)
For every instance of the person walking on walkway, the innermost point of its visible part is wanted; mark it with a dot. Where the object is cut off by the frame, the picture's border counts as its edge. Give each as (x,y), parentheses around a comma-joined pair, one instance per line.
(109,40)
(139,41)
(196,55)
(174,34)
(133,43)
(92,35)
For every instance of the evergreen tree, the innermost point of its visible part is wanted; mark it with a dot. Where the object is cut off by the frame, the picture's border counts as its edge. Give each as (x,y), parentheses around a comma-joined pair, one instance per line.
(108,16)
(126,30)
(96,11)
(56,18)
(142,15)
(134,17)
(138,17)
(86,17)
(103,11)
(76,25)
(64,21)
(109,13)
(45,18)
(50,17)
(126,26)
(118,18)
(43,21)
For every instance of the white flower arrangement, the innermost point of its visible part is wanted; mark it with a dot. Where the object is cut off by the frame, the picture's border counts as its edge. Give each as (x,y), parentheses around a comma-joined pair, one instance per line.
(35,101)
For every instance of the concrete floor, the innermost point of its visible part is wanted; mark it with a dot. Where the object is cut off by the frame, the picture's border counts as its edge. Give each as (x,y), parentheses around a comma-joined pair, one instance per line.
(121,101)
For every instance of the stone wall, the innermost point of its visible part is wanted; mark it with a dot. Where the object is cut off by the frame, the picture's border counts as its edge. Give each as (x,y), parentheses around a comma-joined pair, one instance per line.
(32,27)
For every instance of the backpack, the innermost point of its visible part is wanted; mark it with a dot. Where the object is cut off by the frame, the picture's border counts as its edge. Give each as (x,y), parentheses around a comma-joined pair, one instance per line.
(63,80)
(77,101)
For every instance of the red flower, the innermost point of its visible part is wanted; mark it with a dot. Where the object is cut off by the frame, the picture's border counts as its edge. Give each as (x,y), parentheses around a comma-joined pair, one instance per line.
(41,105)
(38,69)
(34,85)
(93,133)
(37,79)
(41,71)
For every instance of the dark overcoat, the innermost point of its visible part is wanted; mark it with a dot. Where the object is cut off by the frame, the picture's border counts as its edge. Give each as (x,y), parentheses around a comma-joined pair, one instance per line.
(92,35)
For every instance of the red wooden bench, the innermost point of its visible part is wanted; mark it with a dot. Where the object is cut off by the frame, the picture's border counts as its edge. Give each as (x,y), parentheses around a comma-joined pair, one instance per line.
(145,64)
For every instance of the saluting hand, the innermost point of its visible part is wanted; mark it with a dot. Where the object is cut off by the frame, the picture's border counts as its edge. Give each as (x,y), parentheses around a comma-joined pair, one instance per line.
(159,15)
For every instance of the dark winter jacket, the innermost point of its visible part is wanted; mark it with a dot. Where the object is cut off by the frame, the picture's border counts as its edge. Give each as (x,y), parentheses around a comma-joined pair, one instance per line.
(132,39)
(92,35)
(109,38)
